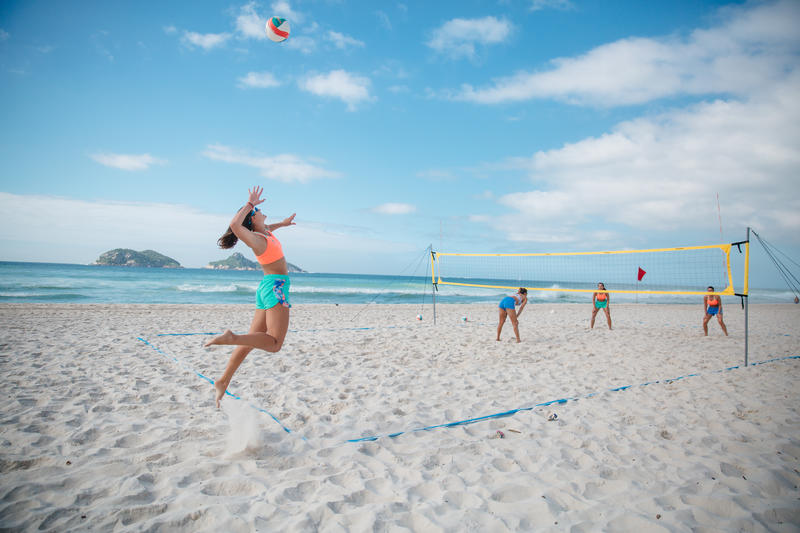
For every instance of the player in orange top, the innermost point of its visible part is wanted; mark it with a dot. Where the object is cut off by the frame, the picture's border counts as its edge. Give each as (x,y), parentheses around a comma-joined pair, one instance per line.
(271,319)
(712,304)
(601,300)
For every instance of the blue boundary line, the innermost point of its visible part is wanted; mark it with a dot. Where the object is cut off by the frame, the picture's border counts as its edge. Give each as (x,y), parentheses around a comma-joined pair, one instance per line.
(512,412)
(303,330)
(467,421)
(179,362)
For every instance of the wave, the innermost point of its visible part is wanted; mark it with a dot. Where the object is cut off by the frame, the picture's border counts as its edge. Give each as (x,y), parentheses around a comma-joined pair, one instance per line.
(554,294)
(41,287)
(231,287)
(352,290)
(48,297)
(773,295)
(22,294)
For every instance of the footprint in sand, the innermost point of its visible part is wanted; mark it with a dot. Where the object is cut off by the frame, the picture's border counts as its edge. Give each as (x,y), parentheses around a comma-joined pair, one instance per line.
(730,470)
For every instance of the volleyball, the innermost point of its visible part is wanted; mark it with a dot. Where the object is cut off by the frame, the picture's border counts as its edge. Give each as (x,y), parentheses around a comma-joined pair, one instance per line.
(277,29)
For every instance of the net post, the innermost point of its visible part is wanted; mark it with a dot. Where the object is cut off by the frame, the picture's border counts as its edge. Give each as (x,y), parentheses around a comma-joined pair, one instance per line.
(433,282)
(434,305)
(746,291)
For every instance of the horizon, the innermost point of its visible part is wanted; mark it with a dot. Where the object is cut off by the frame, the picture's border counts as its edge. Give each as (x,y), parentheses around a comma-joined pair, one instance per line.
(426,268)
(532,126)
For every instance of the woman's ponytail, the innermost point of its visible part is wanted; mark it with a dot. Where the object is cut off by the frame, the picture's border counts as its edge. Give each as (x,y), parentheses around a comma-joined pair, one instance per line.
(228,240)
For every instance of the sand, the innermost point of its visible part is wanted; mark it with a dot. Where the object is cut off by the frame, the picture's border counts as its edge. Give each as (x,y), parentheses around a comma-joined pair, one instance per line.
(102,431)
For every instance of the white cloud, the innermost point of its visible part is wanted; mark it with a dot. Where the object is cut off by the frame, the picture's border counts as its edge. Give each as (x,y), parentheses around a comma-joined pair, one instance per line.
(391,69)
(250,24)
(127,161)
(436,175)
(206,41)
(563,5)
(301,43)
(751,49)
(384,19)
(284,9)
(99,39)
(93,227)
(258,80)
(393,208)
(349,88)
(4,35)
(459,37)
(287,168)
(79,231)
(342,41)
(662,173)
(658,175)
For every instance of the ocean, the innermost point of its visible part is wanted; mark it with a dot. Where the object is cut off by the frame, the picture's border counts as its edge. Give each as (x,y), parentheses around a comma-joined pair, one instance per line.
(69,283)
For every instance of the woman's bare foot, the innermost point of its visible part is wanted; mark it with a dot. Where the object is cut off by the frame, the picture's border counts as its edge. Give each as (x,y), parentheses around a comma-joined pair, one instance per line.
(220,387)
(225,338)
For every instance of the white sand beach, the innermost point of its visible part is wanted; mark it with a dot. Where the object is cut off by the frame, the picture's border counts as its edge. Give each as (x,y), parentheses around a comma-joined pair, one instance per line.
(101,431)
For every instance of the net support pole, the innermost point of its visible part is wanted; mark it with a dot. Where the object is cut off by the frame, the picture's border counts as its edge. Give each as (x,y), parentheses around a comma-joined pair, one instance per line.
(746,291)
(433,282)
(434,305)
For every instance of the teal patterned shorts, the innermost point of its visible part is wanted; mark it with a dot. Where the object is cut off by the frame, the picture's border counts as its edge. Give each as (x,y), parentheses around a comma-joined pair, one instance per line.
(273,290)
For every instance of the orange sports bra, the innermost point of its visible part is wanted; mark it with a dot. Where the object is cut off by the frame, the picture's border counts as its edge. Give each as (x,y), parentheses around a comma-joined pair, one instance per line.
(602,296)
(713,303)
(273,252)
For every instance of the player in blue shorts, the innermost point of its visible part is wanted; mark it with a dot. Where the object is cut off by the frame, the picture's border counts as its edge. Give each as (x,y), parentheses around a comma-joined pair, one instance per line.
(508,309)
(713,306)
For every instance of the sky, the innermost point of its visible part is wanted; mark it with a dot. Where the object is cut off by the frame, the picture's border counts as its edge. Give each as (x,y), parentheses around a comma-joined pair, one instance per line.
(471,126)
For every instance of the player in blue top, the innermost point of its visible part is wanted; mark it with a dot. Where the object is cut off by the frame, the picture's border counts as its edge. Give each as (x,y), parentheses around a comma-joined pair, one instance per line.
(507,309)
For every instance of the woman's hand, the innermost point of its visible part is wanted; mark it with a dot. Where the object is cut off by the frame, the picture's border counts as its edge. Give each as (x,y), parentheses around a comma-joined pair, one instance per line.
(289,220)
(254,196)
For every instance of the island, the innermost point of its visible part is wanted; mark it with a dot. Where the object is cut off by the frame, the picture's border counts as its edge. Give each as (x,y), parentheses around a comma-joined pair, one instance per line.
(239,262)
(132,258)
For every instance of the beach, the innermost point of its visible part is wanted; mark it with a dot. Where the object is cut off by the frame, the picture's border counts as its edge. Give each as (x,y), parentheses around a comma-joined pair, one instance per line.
(109,421)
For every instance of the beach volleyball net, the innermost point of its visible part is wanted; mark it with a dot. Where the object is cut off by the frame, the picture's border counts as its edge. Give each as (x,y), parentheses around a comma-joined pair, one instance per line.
(682,270)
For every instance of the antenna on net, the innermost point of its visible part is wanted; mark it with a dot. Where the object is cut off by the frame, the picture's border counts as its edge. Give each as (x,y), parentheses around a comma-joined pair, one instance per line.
(719,215)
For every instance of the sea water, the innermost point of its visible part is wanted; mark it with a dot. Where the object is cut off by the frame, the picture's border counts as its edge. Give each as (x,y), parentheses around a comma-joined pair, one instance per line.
(69,283)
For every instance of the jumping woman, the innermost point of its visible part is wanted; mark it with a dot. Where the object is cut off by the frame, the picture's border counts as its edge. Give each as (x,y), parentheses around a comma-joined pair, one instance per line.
(601,300)
(507,309)
(712,304)
(271,319)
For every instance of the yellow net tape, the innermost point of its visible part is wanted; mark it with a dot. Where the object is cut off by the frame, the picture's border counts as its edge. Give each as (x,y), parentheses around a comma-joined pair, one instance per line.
(680,270)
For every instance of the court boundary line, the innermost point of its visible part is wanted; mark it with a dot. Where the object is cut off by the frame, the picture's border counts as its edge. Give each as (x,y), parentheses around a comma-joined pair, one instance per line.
(502,414)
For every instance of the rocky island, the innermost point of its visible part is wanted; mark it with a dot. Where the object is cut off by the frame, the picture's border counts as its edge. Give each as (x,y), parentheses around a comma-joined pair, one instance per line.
(239,262)
(132,258)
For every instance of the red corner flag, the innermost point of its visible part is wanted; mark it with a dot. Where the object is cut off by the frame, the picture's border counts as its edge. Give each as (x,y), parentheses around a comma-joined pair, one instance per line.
(641,274)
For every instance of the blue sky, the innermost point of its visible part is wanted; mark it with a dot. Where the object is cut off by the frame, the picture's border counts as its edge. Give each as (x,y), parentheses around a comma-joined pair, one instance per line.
(506,126)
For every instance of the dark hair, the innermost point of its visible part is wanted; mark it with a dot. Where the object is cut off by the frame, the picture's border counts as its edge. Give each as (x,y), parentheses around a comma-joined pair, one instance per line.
(710,287)
(603,284)
(523,290)
(229,238)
